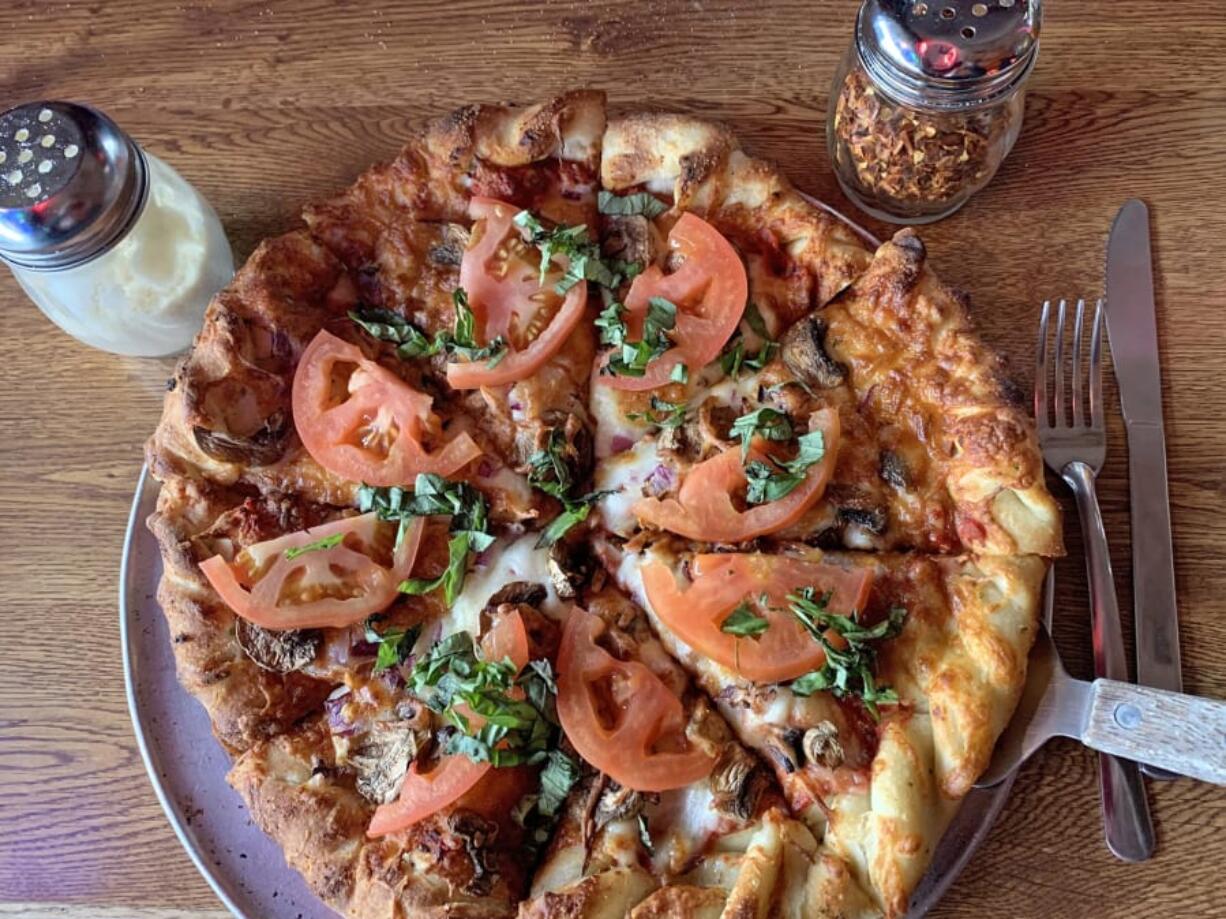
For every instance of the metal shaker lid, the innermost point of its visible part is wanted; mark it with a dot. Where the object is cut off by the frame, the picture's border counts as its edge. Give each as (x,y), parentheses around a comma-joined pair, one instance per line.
(948,53)
(71,183)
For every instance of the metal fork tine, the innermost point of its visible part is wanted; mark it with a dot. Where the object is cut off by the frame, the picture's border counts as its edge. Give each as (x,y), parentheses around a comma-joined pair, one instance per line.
(1061,417)
(1079,418)
(1040,369)
(1096,368)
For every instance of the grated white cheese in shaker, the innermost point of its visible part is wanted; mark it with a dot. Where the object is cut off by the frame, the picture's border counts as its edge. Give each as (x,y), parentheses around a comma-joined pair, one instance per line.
(110,242)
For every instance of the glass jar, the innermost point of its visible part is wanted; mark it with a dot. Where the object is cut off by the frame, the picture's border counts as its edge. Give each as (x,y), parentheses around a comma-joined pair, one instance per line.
(111,243)
(928,102)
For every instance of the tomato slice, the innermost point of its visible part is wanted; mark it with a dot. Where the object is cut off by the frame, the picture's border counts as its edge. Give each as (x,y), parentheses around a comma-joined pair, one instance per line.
(424,793)
(321,588)
(501,275)
(703,507)
(721,582)
(369,427)
(616,713)
(710,290)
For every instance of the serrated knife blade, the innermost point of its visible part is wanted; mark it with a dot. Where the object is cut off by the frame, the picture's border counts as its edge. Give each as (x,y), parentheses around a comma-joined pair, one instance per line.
(1132,328)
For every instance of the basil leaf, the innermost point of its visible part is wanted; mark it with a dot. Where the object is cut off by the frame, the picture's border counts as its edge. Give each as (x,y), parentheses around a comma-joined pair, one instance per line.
(736,356)
(772,480)
(848,670)
(584,261)
(387,325)
(662,414)
(680,373)
(574,512)
(612,324)
(326,542)
(395,645)
(645,835)
(557,779)
(547,467)
(634,356)
(743,622)
(641,203)
(763,422)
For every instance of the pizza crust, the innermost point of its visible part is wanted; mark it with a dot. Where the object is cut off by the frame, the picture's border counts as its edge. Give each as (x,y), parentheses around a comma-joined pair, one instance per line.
(958,666)
(915,360)
(700,164)
(246,703)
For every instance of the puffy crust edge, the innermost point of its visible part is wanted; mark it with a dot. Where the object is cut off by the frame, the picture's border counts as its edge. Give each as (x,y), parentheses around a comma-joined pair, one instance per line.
(700,163)
(245,703)
(901,331)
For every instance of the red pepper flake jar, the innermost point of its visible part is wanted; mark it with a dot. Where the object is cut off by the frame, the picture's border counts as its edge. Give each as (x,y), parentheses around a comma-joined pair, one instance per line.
(928,102)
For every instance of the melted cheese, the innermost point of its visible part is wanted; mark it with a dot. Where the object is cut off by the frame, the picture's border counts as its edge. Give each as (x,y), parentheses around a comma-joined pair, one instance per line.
(504,563)
(624,475)
(682,825)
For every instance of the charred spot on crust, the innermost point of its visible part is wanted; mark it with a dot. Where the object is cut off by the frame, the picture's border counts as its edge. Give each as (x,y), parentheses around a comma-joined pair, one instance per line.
(892,469)
(873,518)
(476,834)
(277,652)
(804,353)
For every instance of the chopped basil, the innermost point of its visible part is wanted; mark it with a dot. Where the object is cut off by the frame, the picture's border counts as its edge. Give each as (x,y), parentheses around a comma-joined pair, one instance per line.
(519,722)
(433,495)
(763,422)
(387,325)
(645,835)
(680,373)
(547,467)
(634,356)
(735,355)
(772,480)
(584,261)
(327,542)
(641,203)
(574,512)
(662,414)
(743,622)
(394,645)
(461,341)
(557,779)
(848,670)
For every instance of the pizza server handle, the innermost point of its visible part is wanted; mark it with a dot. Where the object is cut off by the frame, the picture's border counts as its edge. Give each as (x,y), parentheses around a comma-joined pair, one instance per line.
(1185,734)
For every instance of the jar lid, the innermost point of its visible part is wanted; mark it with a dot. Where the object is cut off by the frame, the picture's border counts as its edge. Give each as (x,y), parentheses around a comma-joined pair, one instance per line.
(71,183)
(948,53)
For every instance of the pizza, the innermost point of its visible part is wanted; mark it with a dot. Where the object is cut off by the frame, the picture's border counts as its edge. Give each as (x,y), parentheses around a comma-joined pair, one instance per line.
(571,519)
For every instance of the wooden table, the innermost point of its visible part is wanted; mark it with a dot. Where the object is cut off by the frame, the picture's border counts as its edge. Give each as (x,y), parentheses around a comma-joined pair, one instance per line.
(265,106)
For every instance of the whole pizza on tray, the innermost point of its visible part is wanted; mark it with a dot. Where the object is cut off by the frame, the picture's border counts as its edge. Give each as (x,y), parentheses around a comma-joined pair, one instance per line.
(572,520)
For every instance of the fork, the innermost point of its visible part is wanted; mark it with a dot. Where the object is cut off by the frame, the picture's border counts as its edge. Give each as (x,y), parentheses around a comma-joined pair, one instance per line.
(1077,452)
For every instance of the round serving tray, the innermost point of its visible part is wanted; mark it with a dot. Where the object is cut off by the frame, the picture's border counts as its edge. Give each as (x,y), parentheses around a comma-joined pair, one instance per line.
(188,767)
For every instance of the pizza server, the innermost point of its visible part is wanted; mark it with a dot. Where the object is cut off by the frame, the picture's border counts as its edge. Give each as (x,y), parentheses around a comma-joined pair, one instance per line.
(1133,332)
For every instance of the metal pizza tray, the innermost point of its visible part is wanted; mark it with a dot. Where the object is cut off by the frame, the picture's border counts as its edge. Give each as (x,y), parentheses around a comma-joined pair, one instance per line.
(187,765)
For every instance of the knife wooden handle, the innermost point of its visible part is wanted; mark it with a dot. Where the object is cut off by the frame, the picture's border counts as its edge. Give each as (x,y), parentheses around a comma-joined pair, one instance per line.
(1185,734)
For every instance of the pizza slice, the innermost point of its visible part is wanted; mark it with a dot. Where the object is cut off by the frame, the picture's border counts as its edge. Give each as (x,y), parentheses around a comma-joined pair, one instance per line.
(878,421)
(714,842)
(431,320)
(875,685)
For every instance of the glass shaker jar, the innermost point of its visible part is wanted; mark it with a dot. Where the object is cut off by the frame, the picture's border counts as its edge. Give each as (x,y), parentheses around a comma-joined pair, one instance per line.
(928,102)
(110,242)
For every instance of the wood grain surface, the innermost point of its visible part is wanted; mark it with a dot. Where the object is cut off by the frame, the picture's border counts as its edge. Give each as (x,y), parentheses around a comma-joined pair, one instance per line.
(266,105)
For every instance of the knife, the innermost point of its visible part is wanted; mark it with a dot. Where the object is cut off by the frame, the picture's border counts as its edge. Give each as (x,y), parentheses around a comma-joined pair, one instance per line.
(1133,331)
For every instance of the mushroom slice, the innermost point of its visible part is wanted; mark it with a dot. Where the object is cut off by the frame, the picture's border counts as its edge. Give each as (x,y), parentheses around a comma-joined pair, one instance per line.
(382,759)
(279,652)
(804,352)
